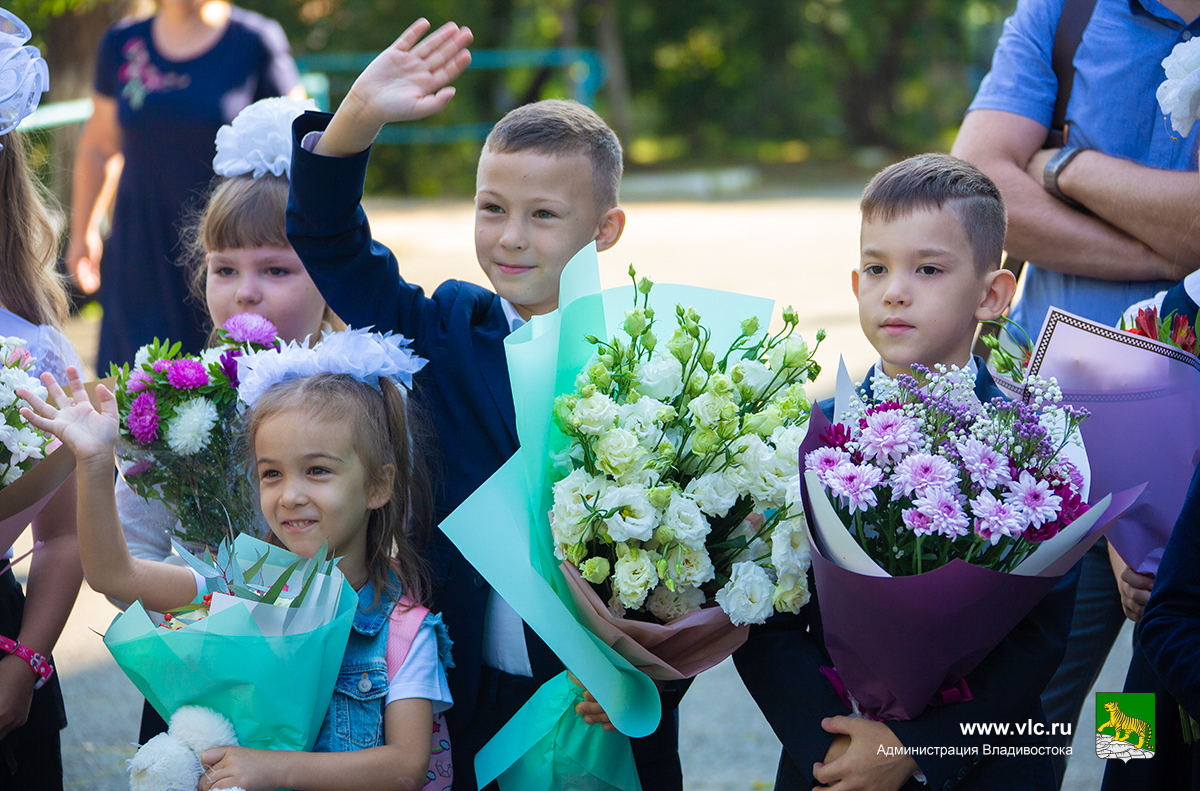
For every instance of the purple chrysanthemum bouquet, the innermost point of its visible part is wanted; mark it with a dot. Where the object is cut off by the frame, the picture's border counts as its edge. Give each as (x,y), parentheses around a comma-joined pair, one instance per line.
(937,523)
(180,431)
(929,474)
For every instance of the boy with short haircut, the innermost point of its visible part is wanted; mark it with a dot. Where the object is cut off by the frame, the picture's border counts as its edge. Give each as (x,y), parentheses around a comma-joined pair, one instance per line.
(932,237)
(547,185)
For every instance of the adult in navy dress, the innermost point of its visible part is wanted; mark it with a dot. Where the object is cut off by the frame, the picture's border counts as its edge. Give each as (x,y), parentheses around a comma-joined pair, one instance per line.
(163,88)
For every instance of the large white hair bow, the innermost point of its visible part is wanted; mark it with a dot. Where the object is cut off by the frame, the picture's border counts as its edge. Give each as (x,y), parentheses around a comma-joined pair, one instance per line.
(367,356)
(23,73)
(259,140)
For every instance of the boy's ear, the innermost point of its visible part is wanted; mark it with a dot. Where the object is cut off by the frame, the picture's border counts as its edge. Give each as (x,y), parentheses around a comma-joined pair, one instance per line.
(854,282)
(999,287)
(610,228)
(381,489)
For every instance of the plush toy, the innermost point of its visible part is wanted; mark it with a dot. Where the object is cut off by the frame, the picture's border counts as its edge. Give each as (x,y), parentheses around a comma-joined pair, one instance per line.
(171,761)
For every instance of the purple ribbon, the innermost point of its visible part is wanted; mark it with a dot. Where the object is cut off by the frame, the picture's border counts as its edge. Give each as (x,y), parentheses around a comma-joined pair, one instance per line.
(948,695)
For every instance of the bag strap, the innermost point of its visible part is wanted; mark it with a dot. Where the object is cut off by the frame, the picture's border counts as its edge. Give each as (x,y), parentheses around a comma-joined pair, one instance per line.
(403,624)
(1074,20)
(1076,14)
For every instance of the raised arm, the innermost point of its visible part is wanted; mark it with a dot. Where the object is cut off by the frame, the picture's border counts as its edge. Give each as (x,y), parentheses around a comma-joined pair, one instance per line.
(1043,229)
(91,436)
(407,81)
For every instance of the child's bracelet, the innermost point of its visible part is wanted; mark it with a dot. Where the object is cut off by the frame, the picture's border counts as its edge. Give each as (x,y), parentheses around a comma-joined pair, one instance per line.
(39,663)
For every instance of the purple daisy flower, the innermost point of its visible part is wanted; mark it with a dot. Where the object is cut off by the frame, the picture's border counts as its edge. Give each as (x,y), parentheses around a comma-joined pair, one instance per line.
(857,484)
(888,436)
(187,374)
(987,466)
(1034,498)
(995,518)
(823,460)
(944,511)
(250,328)
(143,418)
(917,521)
(920,471)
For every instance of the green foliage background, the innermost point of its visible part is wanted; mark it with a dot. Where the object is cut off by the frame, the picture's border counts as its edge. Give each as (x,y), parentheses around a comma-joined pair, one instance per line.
(772,82)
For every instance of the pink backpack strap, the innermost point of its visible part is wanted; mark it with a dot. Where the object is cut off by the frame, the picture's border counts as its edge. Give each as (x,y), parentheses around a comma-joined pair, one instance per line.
(403,624)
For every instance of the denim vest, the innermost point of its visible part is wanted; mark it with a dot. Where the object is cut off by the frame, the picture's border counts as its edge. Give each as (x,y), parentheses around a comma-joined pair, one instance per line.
(355,717)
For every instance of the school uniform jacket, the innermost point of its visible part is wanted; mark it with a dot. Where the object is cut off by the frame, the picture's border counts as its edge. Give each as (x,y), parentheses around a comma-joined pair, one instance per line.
(780,665)
(464,388)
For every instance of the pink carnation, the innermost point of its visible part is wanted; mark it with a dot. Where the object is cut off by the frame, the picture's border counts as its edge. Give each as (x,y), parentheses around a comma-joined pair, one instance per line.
(143,418)
(187,374)
(250,328)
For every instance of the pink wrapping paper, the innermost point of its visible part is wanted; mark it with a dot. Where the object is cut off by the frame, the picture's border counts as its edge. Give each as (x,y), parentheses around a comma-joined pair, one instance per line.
(683,648)
(895,641)
(1144,400)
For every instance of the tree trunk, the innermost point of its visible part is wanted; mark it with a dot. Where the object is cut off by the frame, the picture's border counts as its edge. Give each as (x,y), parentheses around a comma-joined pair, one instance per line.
(609,34)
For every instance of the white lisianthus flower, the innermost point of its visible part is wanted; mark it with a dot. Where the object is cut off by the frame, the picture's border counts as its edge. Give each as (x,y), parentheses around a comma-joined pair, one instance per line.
(713,493)
(689,566)
(787,441)
(790,552)
(769,490)
(189,430)
(790,599)
(667,604)
(635,517)
(1179,93)
(618,451)
(684,518)
(661,377)
(595,570)
(594,414)
(635,573)
(24,443)
(644,417)
(747,597)
(569,518)
(792,496)
(755,377)
(791,353)
(711,410)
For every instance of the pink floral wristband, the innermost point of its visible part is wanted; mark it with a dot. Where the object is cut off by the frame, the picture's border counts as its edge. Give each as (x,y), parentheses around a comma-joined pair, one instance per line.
(39,663)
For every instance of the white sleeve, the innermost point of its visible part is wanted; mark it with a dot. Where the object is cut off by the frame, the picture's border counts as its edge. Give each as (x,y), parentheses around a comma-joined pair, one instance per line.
(422,674)
(146,523)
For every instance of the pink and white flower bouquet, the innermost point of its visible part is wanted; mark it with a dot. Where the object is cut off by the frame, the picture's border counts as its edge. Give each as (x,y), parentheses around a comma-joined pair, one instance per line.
(180,431)
(937,523)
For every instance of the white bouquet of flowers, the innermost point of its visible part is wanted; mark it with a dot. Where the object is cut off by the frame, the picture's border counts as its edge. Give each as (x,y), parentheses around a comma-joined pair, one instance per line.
(682,469)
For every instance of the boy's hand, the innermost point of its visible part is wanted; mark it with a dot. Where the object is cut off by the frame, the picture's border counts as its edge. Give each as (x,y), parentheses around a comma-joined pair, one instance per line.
(863,765)
(408,80)
(90,435)
(589,709)
(239,767)
(1135,588)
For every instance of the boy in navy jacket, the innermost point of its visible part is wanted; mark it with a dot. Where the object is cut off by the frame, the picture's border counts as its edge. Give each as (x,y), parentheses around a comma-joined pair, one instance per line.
(546,186)
(932,237)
